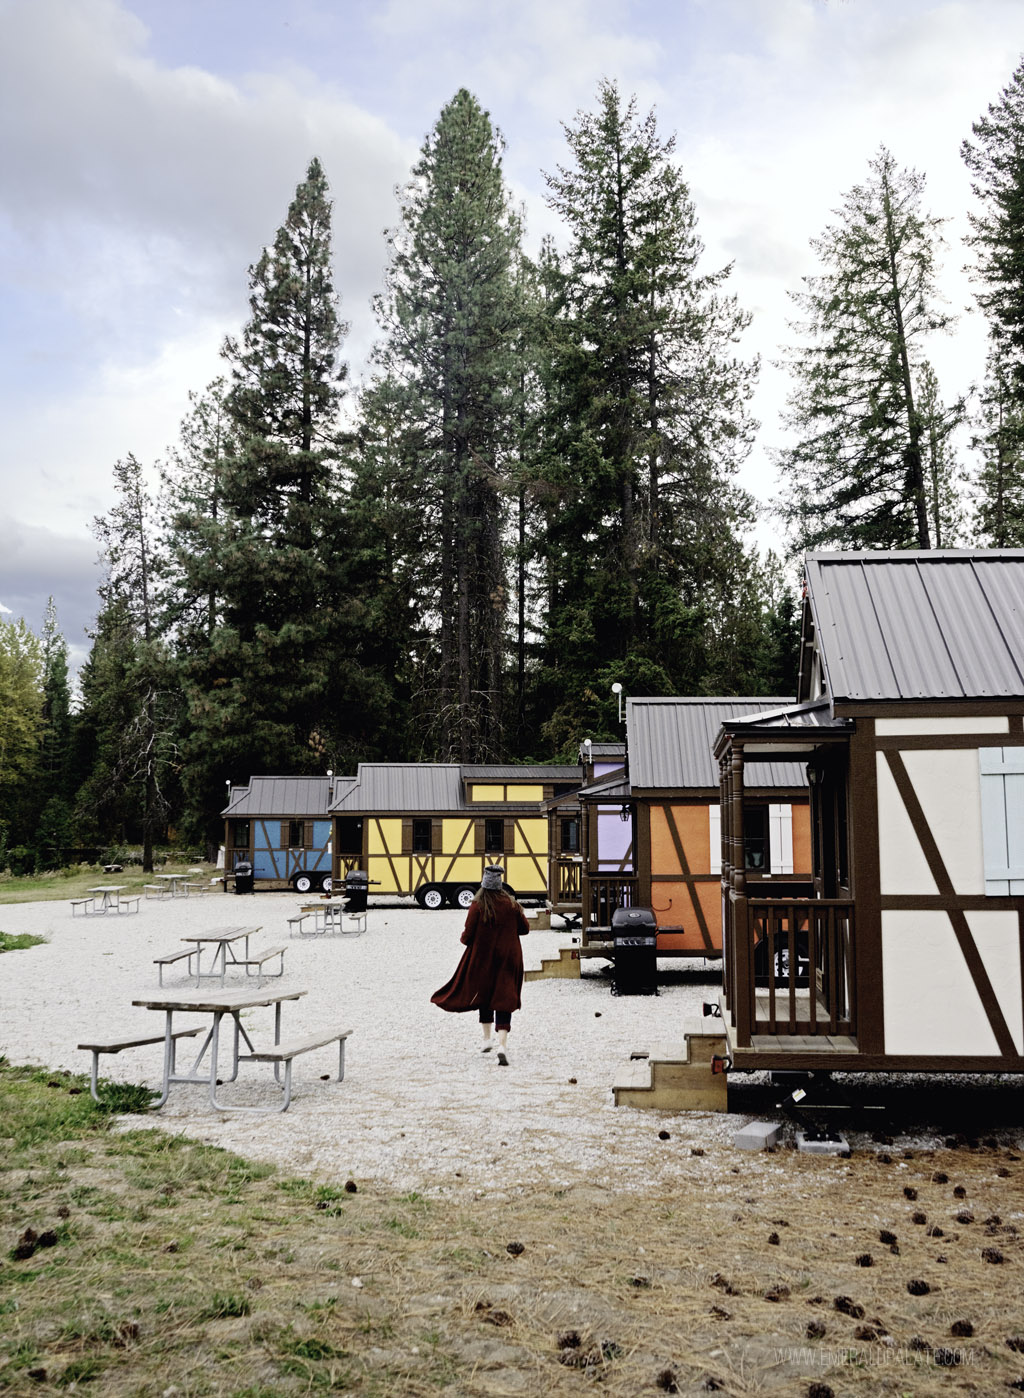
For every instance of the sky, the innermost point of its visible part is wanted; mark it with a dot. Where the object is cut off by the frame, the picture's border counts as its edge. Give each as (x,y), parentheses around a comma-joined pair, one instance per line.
(152,147)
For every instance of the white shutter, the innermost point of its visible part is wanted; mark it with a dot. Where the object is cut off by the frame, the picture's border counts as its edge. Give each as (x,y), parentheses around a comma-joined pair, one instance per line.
(715,823)
(780,838)
(1002,820)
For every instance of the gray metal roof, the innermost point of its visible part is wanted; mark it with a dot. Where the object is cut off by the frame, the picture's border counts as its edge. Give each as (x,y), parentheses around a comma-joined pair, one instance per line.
(508,772)
(279,796)
(402,787)
(817,714)
(671,744)
(912,625)
(611,788)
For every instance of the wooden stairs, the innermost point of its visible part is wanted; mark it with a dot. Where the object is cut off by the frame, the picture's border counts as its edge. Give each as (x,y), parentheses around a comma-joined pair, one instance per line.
(564,966)
(676,1077)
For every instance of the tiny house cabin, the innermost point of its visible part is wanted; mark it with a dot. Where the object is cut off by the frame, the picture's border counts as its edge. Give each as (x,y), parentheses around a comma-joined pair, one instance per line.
(905,947)
(652,839)
(281,826)
(565,815)
(429,829)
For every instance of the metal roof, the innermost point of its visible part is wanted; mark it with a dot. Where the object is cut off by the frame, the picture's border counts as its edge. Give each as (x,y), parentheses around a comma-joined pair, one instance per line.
(912,625)
(402,786)
(601,750)
(279,796)
(508,772)
(817,714)
(671,744)
(612,788)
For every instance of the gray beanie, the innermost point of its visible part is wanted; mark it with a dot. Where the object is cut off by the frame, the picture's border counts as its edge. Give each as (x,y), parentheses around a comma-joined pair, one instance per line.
(493,877)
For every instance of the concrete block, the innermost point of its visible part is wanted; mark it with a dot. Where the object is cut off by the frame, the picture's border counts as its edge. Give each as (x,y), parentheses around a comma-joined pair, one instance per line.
(758,1135)
(836,1145)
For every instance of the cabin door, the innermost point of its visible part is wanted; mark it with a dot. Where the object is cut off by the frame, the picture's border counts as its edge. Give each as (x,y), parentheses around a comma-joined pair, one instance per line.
(830,949)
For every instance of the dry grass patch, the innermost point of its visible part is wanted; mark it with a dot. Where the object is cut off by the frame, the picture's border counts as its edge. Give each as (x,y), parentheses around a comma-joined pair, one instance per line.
(143,1263)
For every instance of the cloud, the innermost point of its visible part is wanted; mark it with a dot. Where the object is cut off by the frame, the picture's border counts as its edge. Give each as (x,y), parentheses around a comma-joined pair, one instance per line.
(37,563)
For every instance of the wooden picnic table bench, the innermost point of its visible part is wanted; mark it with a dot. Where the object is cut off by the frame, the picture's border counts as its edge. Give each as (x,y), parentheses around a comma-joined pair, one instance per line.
(84,903)
(170,957)
(260,958)
(117,1045)
(285,1053)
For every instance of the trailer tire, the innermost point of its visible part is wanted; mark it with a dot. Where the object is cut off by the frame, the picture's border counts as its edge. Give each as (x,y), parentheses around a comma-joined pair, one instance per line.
(326,884)
(430,897)
(463,896)
(302,883)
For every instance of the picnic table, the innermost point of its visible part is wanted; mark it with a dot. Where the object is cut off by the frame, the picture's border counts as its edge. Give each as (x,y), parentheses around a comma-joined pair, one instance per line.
(224,943)
(110,896)
(328,916)
(206,1068)
(176,884)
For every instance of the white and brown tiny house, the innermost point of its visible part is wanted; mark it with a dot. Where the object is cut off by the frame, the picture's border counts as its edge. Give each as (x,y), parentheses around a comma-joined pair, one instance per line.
(906,948)
(429,829)
(281,827)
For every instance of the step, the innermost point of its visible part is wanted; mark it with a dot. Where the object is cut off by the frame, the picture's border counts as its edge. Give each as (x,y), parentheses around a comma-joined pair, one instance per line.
(564,966)
(676,1077)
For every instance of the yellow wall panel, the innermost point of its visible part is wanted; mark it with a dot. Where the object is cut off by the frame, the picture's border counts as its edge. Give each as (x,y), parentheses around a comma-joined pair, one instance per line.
(380,871)
(521,874)
(524,793)
(392,837)
(452,833)
(465,869)
(532,837)
(486,793)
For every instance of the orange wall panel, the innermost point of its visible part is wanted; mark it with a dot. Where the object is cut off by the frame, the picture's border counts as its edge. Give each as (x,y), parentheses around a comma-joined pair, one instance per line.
(694,833)
(801,839)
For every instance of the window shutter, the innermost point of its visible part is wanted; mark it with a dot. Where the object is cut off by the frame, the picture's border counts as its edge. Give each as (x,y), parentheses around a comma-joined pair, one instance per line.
(283,842)
(510,837)
(715,822)
(407,834)
(436,836)
(478,836)
(780,839)
(307,834)
(1002,820)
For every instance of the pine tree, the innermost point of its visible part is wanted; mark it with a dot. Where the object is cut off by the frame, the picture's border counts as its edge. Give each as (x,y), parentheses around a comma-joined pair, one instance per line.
(995,161)
(449,316)
(21,730)
(648,406)
(856,470)
(256,681)
(943,476)
(999,438)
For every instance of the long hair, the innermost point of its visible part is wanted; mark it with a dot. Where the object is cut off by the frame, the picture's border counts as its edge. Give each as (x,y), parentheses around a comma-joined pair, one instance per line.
(490,900)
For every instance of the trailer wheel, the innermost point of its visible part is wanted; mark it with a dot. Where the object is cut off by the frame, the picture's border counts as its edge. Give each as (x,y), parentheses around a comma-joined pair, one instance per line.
(302,883)
(463,896)
(326,883)
(430,897)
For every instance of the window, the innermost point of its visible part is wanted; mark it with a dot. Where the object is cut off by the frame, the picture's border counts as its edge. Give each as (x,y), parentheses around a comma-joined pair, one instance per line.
(240,834)
(296,834)
(494,836)
(570,843)
(755,838)
(421,842)
(1002,820)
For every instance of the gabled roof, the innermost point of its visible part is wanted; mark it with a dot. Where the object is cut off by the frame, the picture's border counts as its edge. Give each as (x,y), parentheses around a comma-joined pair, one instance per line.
(279,796)
(402,787)
(916,625)
(671,744)
(509,772)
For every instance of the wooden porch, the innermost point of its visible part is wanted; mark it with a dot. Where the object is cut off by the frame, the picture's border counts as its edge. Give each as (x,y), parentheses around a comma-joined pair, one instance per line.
(565,885)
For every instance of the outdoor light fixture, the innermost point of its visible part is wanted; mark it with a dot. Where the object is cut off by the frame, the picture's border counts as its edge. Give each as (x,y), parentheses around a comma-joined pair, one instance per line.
(617,691)
(625,813)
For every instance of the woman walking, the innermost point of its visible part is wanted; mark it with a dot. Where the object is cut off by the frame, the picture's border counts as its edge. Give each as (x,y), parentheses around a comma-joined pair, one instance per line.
(489,978)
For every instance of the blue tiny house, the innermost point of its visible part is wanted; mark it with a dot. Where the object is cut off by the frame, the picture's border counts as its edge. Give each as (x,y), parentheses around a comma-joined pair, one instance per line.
(280,826)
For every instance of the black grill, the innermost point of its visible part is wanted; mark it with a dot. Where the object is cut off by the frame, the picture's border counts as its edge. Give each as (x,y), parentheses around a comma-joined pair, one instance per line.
(635,940)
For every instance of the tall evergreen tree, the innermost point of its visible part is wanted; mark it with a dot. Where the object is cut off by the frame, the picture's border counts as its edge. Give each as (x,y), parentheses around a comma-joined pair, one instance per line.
(995,161)
(649,407)
(55,827)
(943,476)
(449,315)
(21,730)
(257,685)
(999,439)
(855,472)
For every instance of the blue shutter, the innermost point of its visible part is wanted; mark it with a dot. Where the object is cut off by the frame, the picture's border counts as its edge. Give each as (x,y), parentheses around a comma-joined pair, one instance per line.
(1002,819)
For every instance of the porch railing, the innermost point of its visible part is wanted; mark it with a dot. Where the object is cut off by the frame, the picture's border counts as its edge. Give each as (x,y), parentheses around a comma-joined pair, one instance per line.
(608,892)
(565,882)
(793,968)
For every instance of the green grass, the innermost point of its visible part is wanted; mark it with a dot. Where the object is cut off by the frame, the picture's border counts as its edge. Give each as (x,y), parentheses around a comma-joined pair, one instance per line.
(19,941)
(73,883)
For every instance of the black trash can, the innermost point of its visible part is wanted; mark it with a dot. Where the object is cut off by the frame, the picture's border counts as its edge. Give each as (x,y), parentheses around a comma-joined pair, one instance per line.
(357,888)
(635,938)
(244,878)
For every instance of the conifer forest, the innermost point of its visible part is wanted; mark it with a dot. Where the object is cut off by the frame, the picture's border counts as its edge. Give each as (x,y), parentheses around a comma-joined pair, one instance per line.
(533,493)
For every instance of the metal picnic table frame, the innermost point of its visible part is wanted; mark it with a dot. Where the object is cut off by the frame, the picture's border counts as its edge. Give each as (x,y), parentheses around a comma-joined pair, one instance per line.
(222,940)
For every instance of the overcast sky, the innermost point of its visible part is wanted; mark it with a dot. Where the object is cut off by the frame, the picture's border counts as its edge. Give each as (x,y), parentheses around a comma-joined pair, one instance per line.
(151,148)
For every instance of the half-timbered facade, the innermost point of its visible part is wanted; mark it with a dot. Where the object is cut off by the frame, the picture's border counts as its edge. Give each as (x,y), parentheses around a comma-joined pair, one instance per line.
(905,949)
(429,829)
(281,826)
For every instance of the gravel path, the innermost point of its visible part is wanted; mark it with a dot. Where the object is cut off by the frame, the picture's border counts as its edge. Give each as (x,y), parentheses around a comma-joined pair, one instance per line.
(420,1108)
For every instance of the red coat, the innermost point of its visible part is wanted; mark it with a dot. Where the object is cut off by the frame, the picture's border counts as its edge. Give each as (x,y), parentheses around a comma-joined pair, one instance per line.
(490,974)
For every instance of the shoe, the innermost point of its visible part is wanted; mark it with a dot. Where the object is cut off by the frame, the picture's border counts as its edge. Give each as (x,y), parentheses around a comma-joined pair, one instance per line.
(488,1045)
(503,1056)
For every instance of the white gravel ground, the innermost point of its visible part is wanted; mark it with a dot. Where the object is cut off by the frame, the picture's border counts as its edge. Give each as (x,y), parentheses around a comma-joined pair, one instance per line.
(420,1107)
